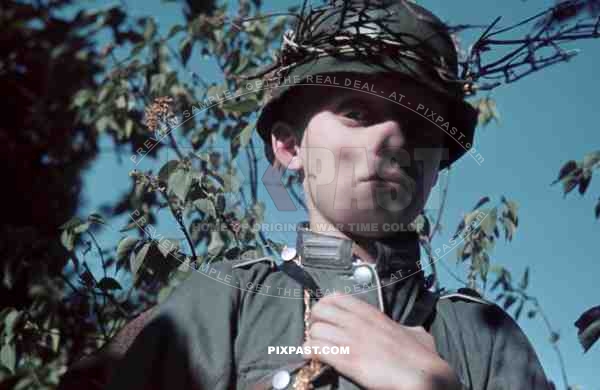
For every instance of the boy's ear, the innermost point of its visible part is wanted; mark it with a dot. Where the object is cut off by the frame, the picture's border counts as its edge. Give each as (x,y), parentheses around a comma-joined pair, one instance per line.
(286,146)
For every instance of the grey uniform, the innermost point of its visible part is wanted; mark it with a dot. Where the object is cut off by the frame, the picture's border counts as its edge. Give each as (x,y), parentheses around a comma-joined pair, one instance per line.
(214,331)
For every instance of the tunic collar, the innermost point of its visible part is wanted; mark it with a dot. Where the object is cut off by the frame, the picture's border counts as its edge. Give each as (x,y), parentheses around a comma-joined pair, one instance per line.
(392,254)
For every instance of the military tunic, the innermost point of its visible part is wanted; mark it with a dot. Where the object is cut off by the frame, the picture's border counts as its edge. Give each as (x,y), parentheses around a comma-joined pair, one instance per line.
(214,331)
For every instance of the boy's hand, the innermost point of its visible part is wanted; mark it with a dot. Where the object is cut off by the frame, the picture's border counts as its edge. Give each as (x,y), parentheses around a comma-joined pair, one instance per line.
(383,354)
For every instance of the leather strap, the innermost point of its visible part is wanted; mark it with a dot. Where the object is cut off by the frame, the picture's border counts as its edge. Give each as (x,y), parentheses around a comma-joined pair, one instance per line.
(303,278)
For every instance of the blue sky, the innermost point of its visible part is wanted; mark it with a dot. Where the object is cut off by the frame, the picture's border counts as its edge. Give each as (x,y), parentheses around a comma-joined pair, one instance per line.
(547,119)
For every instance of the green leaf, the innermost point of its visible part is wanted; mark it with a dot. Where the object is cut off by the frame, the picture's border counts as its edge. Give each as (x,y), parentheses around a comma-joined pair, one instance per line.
(157,83)
(150,29)
(54,339)
(591,159)
(481,202)
(174,30)
(259,210)
(486,243)
(10,322)
(102,123)
(128,128)
(179,183)
(185,49)
(206,206)
(584,182)
(460,252)
(569,185)
(421,225)
(82,97)
(166,170)
(243,106)
(81,228)
(216,92)
(121,102)
(136,260)
(525,280)
(588,325)
(67,238)
(96,218)
(216,243)
(6,311)
(590,335)
(243,64)
(487,111)
(232,182)
(218,34)
(125,247)
(512,208)
(105,91)
(567,169)
(488,224)
(509,229)
(8,356)
(246,134)
(258,44)
(71,223)
(109,284)
(472,219)
(203,156)
(484,266)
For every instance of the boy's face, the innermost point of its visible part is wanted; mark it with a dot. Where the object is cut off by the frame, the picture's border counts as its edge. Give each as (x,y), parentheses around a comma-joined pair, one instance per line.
(366,159)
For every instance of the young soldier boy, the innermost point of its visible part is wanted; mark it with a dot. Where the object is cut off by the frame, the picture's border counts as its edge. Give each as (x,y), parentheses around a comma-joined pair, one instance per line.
(369,156)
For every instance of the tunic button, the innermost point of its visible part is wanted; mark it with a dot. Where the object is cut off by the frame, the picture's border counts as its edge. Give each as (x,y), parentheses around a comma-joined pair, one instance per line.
(288,253)
(362,274)
(281,380)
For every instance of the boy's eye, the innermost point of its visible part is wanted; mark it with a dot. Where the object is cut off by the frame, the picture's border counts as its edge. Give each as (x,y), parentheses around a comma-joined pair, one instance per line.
(358,114)
(355,114)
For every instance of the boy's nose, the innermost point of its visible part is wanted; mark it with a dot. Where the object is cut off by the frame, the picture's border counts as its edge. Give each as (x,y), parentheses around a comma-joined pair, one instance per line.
(385,137)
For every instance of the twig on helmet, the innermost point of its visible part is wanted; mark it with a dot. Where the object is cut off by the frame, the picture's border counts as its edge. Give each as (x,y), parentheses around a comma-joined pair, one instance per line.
(301,19)
(303,44)
(543,35)
(475,46)
(463,27)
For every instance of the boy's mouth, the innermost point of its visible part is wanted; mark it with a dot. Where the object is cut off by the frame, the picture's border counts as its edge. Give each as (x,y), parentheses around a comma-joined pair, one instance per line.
(391,175)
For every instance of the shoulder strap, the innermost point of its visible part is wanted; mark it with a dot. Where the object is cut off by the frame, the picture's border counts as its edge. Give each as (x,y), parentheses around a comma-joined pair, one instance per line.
(467,294)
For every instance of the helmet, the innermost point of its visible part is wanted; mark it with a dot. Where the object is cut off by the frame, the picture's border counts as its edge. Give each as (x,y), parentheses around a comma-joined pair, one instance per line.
(371,37)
